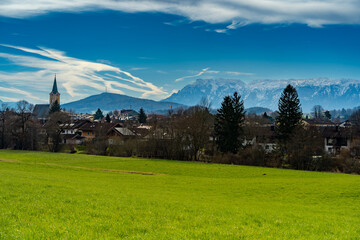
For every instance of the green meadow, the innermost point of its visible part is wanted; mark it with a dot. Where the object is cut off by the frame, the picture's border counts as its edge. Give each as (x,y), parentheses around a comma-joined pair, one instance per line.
(75,196)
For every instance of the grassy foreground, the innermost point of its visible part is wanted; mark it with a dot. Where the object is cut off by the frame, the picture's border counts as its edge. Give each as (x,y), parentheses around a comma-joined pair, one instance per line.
(63,196)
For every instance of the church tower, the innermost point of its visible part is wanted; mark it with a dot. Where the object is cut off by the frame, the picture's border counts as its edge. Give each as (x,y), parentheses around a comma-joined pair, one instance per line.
(54,94)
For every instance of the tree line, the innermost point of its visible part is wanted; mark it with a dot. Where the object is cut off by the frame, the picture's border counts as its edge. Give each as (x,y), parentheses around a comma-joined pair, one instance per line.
(198,135)
(193,134)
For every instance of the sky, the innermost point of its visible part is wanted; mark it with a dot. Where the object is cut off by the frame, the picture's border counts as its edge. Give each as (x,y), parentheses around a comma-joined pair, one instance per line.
(150,49)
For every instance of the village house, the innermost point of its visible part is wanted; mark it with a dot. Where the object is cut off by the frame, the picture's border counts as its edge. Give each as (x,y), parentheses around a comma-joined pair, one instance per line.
(117,134)
(88,130)
(336,138)
(261,135)
(114,132)
(71,133)
(322,122)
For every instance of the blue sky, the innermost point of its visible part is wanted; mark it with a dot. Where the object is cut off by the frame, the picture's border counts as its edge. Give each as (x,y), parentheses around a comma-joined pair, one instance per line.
(152,48)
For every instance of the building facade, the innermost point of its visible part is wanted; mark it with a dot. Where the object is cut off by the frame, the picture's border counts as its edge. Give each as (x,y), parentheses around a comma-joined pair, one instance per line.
(41,111)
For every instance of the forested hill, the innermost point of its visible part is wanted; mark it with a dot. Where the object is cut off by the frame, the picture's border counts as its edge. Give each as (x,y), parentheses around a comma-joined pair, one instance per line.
(112,101)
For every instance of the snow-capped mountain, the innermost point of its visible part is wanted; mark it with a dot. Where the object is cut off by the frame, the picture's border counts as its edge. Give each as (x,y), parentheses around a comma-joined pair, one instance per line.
(329,93)
(8,105)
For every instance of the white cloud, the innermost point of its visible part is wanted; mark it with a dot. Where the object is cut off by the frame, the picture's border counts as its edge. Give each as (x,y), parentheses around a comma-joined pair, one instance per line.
(9,99)
(220,30)
(237,24)
(74,75)
(138,68)
(239,73)
(19,92)
(174,23)
(313,13)
(212,72)
(234,25)
(196,75)
(172,92)
(104,61)
(206,72)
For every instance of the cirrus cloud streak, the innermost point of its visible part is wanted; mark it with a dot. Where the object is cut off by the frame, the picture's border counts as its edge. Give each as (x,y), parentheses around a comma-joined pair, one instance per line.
(313,13)
(78,78)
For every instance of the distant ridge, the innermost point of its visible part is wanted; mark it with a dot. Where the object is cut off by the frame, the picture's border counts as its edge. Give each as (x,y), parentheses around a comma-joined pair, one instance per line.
(111,101)
(330,93)
(9,104)
(257,110)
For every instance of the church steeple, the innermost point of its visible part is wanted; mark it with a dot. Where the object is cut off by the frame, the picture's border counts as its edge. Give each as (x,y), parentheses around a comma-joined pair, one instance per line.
(54,89)
(54,94)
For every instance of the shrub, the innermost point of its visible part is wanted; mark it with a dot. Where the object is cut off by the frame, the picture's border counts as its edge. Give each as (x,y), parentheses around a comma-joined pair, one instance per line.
(226,158)
(345,163)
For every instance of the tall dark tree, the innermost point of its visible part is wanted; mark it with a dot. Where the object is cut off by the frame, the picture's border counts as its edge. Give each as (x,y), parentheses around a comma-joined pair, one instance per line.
(142,116)
(55,107)
(290,113)
(107,118)
(229,124)
(98,115)
(327,115)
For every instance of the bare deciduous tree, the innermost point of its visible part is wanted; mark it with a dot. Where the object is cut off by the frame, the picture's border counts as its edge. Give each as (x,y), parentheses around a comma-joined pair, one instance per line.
(198,125)
(23,127)
(317,111)
(54,127)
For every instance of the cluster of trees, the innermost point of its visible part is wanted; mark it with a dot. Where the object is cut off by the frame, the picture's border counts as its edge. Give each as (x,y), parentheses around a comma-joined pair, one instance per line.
(340,115)
(190,134)
(343,114)
(297,147)
(17,128)
(183,135)
(99,115)
(186,135)
(320,113)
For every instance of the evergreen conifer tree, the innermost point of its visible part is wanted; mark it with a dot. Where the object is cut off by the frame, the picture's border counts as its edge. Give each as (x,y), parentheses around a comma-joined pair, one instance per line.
(142,116)
(98,115)
(55,107)
(108,119)
(228,124)
(290,113)
(328,115)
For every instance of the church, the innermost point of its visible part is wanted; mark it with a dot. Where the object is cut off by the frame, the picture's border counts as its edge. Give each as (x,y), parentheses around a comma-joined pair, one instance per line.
(41,111)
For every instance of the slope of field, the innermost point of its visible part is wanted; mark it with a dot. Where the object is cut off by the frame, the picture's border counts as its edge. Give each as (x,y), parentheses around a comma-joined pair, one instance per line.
(63,196)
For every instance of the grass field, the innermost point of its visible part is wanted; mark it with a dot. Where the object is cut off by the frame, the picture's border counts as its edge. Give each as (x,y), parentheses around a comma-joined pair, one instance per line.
(63,196)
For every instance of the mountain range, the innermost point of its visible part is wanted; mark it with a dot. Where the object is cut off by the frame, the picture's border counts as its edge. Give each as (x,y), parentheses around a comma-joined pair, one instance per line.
(329,93)
(259,96)
(8,104)
(111,101)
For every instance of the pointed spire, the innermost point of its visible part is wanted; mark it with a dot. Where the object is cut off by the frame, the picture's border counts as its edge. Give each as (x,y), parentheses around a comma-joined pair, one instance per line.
(54,90)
